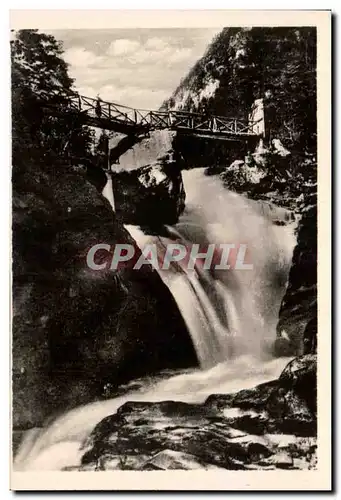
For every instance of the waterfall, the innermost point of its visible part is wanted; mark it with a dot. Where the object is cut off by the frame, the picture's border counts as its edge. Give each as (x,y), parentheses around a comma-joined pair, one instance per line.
(231,315)
(235,311)
(108,192)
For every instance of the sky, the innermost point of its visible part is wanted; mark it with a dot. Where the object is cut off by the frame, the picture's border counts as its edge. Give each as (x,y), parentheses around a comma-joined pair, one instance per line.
(135,67)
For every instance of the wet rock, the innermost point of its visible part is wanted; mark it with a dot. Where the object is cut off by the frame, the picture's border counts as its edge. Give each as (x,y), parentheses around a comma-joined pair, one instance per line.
(172,460)
(281,460)
(246,399)
(284,406)
(266,427)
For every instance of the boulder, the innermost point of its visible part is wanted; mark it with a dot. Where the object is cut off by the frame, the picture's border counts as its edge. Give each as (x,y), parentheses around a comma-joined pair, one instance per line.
(150,196)
(300,375)
(147,182)
(241,175)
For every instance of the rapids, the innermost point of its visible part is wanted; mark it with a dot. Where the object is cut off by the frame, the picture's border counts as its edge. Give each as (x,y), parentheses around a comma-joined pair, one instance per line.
(231,315)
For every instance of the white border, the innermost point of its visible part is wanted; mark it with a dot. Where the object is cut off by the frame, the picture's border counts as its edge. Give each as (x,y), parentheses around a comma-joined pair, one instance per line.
(240,480)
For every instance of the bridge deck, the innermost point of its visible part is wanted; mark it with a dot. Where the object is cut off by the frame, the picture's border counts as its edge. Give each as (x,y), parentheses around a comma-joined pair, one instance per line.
(130,121)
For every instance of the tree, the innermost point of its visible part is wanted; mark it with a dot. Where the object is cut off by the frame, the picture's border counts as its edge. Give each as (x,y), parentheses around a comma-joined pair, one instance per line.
(38,70)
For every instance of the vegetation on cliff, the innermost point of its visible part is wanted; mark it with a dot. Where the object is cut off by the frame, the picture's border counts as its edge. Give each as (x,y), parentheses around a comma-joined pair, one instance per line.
(38,69)
(244,64)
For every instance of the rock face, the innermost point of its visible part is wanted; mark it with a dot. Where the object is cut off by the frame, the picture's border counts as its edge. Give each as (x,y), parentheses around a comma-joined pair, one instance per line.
(268,427)
(147,183)
(150,196)
(146,151)
(298,313)
(268,174)
(76,330)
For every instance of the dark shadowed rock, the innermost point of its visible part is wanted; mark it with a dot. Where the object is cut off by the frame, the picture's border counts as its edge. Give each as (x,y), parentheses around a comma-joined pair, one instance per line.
(301,376)
(298,312)
(286,405)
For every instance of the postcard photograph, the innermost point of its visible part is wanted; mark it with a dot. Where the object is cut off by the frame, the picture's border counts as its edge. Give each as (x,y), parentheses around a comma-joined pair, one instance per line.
(171,252)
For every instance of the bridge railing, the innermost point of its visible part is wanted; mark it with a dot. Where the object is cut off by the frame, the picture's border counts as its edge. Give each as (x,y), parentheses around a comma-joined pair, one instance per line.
(151,120)
(102,109)
(196,121)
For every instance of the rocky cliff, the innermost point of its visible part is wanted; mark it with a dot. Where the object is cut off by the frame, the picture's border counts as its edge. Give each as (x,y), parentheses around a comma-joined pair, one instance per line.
(245,64)
(298,313)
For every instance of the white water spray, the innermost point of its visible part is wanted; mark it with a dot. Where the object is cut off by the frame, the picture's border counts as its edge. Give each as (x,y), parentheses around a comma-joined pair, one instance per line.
(108,192)
(231,317)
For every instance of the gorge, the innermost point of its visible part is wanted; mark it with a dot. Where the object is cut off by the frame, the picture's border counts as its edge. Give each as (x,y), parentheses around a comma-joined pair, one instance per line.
(135,370)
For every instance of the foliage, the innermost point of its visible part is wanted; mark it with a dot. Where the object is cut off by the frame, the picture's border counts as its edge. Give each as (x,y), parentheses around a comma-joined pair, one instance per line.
(38,70)
(278,64)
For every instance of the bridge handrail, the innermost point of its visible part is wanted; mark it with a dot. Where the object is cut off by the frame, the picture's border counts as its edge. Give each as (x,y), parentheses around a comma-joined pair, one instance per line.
(136,117)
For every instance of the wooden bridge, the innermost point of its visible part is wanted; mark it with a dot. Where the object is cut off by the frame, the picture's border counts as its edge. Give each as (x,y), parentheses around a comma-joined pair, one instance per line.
(136,124)
(130,121)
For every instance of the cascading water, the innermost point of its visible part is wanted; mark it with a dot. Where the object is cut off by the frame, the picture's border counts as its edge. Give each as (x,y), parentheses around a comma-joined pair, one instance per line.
(108,192)
(250,298)
(231,315)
